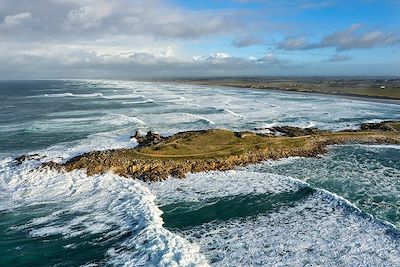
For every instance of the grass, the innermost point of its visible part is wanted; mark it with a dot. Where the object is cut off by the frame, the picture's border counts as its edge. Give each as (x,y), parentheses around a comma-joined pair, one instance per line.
(215,149)
(395,125)
(219,143)
(216,143)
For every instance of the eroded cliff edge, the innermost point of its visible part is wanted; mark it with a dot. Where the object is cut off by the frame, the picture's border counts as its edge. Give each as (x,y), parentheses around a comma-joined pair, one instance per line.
(157,158)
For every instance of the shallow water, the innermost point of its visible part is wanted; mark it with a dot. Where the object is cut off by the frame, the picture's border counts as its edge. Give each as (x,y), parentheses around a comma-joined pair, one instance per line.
(340,209)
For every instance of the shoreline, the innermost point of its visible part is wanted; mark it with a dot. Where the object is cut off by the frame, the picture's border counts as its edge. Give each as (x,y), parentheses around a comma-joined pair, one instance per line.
(251,86)
(367,98)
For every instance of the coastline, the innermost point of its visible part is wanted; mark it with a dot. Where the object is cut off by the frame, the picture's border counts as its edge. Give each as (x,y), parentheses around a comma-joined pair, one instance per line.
(250,86)
(344,96)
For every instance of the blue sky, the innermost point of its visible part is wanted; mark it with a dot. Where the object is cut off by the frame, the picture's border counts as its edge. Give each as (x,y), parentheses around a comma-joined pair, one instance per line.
(155,38)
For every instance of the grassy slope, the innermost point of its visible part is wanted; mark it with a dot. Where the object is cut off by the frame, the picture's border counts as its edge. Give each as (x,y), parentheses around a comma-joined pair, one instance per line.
(220,143)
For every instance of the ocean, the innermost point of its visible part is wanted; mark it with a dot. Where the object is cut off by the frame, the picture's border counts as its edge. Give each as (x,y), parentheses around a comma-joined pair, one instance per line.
(338,209)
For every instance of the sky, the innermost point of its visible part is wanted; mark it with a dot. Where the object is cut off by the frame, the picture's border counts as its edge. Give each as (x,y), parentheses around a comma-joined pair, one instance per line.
(206,38)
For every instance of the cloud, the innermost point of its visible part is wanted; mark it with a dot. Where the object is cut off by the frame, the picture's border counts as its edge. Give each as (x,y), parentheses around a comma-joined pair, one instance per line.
(88,17)
(138,38)
(348,39)
(13,20)
(271,59)
(339,58)
(353,38)
(71,19)
(79,63)
(247,41)
(294,43)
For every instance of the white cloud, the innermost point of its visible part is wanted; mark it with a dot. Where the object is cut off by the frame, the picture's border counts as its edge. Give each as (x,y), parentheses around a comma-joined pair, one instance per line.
(62,62)
(351,38)
(271,59)
(13,20)
(72,19)
(88,17)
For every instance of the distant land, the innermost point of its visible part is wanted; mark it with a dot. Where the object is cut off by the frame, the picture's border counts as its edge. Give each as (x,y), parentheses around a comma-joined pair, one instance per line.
(383,88)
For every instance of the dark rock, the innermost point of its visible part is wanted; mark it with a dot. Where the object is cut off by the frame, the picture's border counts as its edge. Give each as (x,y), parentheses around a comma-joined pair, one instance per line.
(380,126)
(136,135)
(19,160)
(149,139)
(291,131)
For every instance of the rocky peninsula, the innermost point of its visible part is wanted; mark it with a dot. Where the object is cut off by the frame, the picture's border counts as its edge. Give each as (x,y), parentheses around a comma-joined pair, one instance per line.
(157,157)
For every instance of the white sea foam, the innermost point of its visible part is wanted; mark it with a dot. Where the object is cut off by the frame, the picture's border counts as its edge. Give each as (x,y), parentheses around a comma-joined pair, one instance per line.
(320,230)
(138,102)
(200,187)
(106,204)
(100,141)
(368,175)
(323,228)
(124,96)
(233,113)
(197,117)
(121,119)
(369,147)
(73,95)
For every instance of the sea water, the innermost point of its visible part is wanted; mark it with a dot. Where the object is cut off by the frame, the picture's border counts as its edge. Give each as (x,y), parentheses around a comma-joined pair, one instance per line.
(338,209)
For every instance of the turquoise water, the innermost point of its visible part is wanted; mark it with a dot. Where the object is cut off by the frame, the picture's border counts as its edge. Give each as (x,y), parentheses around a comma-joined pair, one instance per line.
(18,250)
(368,176)
(339,209)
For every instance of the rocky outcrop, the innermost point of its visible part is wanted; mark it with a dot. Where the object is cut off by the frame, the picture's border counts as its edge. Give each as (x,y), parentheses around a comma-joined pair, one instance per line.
(122,163)
(157,158)
(291,131)
(21,159)
(150,139)
(381,126)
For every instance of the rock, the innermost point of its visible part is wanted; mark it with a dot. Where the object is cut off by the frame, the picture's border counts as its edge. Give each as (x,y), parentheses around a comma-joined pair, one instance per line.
(136,135)
(380,126)
(244,134)
(149,139)
(290,131)
(19,160)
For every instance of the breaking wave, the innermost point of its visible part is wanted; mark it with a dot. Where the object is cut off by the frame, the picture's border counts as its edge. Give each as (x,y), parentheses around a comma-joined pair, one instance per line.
(74,95)
(126,213)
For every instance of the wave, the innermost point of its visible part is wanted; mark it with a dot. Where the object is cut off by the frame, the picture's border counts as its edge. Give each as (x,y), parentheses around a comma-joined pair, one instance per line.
(74,95)
(371,147)
(124,96)
(322,227)
(200,187)
(233,113)
(197,118)
(121,119)
(126,211)
(98,142)
(138,102)
(311,124)
(171,100)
